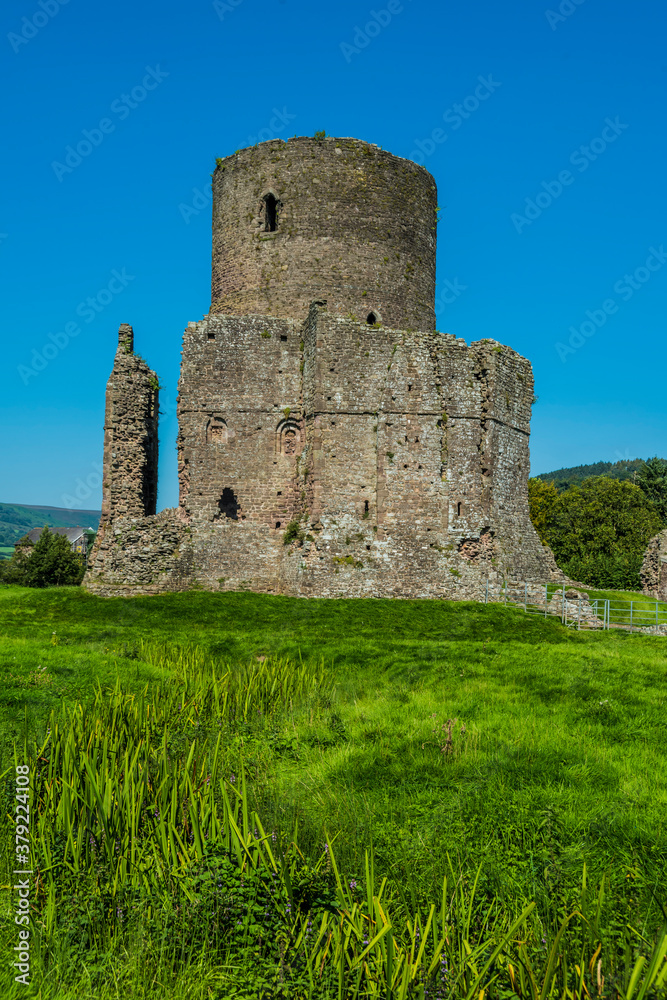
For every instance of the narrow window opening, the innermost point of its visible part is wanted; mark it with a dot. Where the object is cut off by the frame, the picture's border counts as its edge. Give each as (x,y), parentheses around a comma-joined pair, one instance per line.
(277,524)
(283,337)
(211,335)
(458,510)
(270,214)
(228,504)
(365,506)
(371,318)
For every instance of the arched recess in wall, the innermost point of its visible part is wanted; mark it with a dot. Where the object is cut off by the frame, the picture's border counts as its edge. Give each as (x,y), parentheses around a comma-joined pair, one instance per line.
(216,430)
(289,438)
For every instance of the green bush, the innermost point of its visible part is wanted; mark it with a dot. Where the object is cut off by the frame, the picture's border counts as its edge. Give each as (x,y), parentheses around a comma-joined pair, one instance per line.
(47,563)
(652,479)
(598,531)
(294,533)
(619,572)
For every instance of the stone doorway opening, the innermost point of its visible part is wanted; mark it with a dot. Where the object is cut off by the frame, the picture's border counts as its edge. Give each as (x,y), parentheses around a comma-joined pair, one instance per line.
(228,504)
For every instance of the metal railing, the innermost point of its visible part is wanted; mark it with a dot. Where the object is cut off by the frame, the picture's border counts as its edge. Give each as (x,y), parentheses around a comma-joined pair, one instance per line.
(576,610)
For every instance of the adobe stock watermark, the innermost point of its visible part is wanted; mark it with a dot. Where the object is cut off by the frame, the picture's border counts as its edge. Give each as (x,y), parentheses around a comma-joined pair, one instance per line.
(83,489)
(224,7)
(87,310)
(168,406)
(363,37)
(581,158)
(31,26)
(204,197)
(565,9)
(452,290)
(625,287)
(121,107)
(455,116)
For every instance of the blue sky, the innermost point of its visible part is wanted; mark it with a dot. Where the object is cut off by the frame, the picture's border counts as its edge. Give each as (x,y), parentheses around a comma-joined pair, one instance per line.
(553,230)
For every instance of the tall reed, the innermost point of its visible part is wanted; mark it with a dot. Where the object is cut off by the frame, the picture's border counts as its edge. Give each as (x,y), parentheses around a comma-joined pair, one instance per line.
(134,795)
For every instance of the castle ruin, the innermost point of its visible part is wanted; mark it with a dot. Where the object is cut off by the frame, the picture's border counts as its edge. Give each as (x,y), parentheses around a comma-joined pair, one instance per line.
(331,443)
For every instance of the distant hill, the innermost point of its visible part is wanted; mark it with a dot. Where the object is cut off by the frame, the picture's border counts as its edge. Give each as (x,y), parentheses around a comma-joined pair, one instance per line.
(16,520)
(563,478)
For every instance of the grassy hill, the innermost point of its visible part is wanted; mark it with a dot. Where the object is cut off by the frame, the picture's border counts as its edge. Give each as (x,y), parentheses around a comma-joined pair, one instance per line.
(492,759)
(17,520)
(563,478)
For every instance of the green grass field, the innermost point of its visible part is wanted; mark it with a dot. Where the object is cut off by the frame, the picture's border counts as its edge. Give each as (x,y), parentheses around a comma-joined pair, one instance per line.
(492,759)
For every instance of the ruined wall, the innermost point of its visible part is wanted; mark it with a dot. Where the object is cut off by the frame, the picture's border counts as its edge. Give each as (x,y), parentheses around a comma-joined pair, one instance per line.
(141,555)
(129,487)
(240,420)
(654,568)
(354,225)
(426,439)
(130,456)
(402,455)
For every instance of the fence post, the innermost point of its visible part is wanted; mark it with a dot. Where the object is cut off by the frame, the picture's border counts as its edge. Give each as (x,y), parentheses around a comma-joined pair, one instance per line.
(562,612)
(546,598)
(525,596)
(486,595)
(631,603)
(579,616)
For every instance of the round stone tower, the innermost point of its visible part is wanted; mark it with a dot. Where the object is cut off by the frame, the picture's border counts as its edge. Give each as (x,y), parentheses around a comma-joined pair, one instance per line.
(334,219)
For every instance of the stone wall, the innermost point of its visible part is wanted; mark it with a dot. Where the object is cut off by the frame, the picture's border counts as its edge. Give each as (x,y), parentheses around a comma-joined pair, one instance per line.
(240,419)
(654,568)
(402,455)
(130,452)
(142,555)
(129,487)
(354,225)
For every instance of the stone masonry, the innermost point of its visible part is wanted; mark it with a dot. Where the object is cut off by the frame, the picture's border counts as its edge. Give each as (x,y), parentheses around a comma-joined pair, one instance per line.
(129,487)
(331,443)
(654,568)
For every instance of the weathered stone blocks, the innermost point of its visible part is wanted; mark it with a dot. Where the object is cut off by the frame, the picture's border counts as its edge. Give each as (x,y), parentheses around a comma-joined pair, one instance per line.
(353,224)
(654,568)
(398,455)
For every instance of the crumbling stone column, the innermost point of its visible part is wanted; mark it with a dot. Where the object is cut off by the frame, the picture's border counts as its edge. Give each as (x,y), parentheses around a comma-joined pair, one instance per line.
(129,486)
(654,568)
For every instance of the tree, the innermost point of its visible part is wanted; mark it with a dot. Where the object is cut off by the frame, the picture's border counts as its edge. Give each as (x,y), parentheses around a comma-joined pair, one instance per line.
(652,479)
(598,530)
(542,498)
(48,562)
